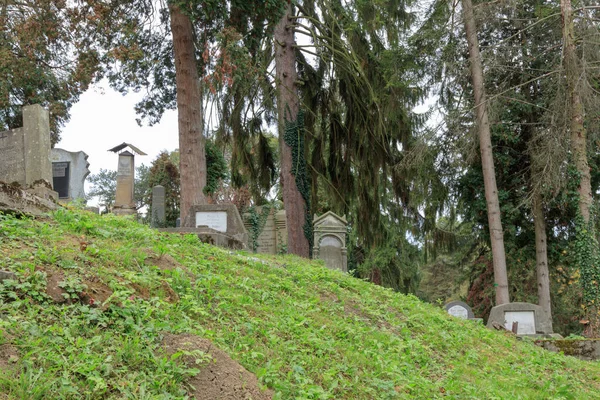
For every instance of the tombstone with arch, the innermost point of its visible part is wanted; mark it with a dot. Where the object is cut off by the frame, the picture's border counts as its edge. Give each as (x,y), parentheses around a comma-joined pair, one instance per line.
(330,240)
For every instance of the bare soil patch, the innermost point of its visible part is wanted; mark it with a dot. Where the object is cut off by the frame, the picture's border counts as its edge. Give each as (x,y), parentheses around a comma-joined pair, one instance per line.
(223,378)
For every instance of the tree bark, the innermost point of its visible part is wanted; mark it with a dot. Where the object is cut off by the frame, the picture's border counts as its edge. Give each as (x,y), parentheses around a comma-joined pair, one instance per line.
(541,259)
(288,105)
(192,162)
(577,128)
(487,160)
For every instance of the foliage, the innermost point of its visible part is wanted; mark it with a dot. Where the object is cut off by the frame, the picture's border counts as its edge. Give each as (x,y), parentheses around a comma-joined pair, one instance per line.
(216,168)
(164,171)
(44,59)
(257,222)
(305,331)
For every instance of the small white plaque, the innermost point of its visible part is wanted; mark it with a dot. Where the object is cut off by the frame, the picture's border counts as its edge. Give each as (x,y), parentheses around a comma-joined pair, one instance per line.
(216,220)
(459,311)
(526,320)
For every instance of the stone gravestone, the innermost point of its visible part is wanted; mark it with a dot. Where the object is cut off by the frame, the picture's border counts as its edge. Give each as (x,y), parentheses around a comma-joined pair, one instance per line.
(530,318)
(330,240)
(267,237)
(25,151)
(218,224)
(124,200)
(459,309)
(69,170)
(158,219)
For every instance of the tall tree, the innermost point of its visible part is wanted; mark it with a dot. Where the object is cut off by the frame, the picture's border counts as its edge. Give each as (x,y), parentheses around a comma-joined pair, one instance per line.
(487,159)
(291,140)
(189,109)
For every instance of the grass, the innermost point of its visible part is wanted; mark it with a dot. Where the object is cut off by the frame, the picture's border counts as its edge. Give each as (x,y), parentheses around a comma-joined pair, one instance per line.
(305,331)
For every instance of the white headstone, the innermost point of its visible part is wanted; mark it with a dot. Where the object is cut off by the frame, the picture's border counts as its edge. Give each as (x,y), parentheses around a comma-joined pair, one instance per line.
(525,319)
(459,311)
(216,220)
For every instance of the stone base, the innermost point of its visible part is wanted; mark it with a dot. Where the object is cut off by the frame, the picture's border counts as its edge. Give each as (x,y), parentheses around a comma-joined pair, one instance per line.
(213,237)
(584,349)
(124,211)
(13,199)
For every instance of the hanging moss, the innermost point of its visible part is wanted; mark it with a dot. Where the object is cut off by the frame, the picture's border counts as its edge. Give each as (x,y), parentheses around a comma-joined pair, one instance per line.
(294,137)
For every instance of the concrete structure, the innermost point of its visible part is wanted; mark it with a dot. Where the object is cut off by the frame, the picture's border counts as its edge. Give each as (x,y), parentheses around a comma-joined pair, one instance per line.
(330,240)
(530,318)
(69,170)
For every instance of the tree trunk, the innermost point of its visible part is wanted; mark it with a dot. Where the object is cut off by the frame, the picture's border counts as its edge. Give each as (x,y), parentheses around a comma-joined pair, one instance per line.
(577,128)
(287,108)
(541,255)
(192,162)
(487,160)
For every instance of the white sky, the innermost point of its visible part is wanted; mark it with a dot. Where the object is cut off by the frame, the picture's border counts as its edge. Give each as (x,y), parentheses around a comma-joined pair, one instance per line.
(103,118)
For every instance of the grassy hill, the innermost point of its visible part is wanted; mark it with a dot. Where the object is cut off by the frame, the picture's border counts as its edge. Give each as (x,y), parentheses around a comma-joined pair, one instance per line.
(96,296)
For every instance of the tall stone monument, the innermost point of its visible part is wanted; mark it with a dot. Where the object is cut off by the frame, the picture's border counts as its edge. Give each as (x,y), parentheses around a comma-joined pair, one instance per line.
(330,240)
(124,200)
(69,170)
(158,218)
(25,151)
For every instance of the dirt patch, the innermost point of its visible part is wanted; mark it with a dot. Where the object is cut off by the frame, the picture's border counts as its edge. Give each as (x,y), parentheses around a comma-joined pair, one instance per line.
(97,292)
(8,354)
(328,297)
(222,378)
(53,279)
(170,294)
(165,263)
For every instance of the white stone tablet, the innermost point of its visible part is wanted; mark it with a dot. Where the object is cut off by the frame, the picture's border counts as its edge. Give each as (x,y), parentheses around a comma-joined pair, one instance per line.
(526,320)
(459,311)
(216,220)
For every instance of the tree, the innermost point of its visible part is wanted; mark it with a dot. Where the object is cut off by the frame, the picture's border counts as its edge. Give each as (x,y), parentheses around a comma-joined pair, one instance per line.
(291,141)
(487,159)
(189,109)
(44,59)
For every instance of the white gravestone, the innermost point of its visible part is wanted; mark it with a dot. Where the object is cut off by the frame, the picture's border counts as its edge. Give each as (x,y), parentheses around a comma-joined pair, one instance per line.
(459,312)
(216,220)
(525,319)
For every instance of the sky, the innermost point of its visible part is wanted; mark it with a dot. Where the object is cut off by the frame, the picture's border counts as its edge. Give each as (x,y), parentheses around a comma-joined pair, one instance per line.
(104,118)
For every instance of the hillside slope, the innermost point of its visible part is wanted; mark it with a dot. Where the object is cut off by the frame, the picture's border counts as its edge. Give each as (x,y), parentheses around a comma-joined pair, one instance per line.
(96,296)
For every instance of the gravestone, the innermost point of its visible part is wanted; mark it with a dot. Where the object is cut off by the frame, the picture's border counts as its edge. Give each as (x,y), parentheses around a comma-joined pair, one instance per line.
(459,309)
(69,170)
(330,240)
(158,207)
(267,237)
(25,151)
(530,319)
(217,224)
(124,200)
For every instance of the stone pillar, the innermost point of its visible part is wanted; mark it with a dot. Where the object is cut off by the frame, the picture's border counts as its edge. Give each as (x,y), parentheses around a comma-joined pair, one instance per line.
(280,230)
(124,202)
(36,135)
(158,219)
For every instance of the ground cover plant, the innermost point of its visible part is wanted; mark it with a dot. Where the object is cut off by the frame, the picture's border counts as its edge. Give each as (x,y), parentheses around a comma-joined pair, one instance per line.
(95,297)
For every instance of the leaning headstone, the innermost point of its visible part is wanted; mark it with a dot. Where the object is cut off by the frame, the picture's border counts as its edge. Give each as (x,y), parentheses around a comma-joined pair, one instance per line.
(158,207)
(25,152)
(529,319)
(124,200)
(330,240)
(69,170)
(459,309)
